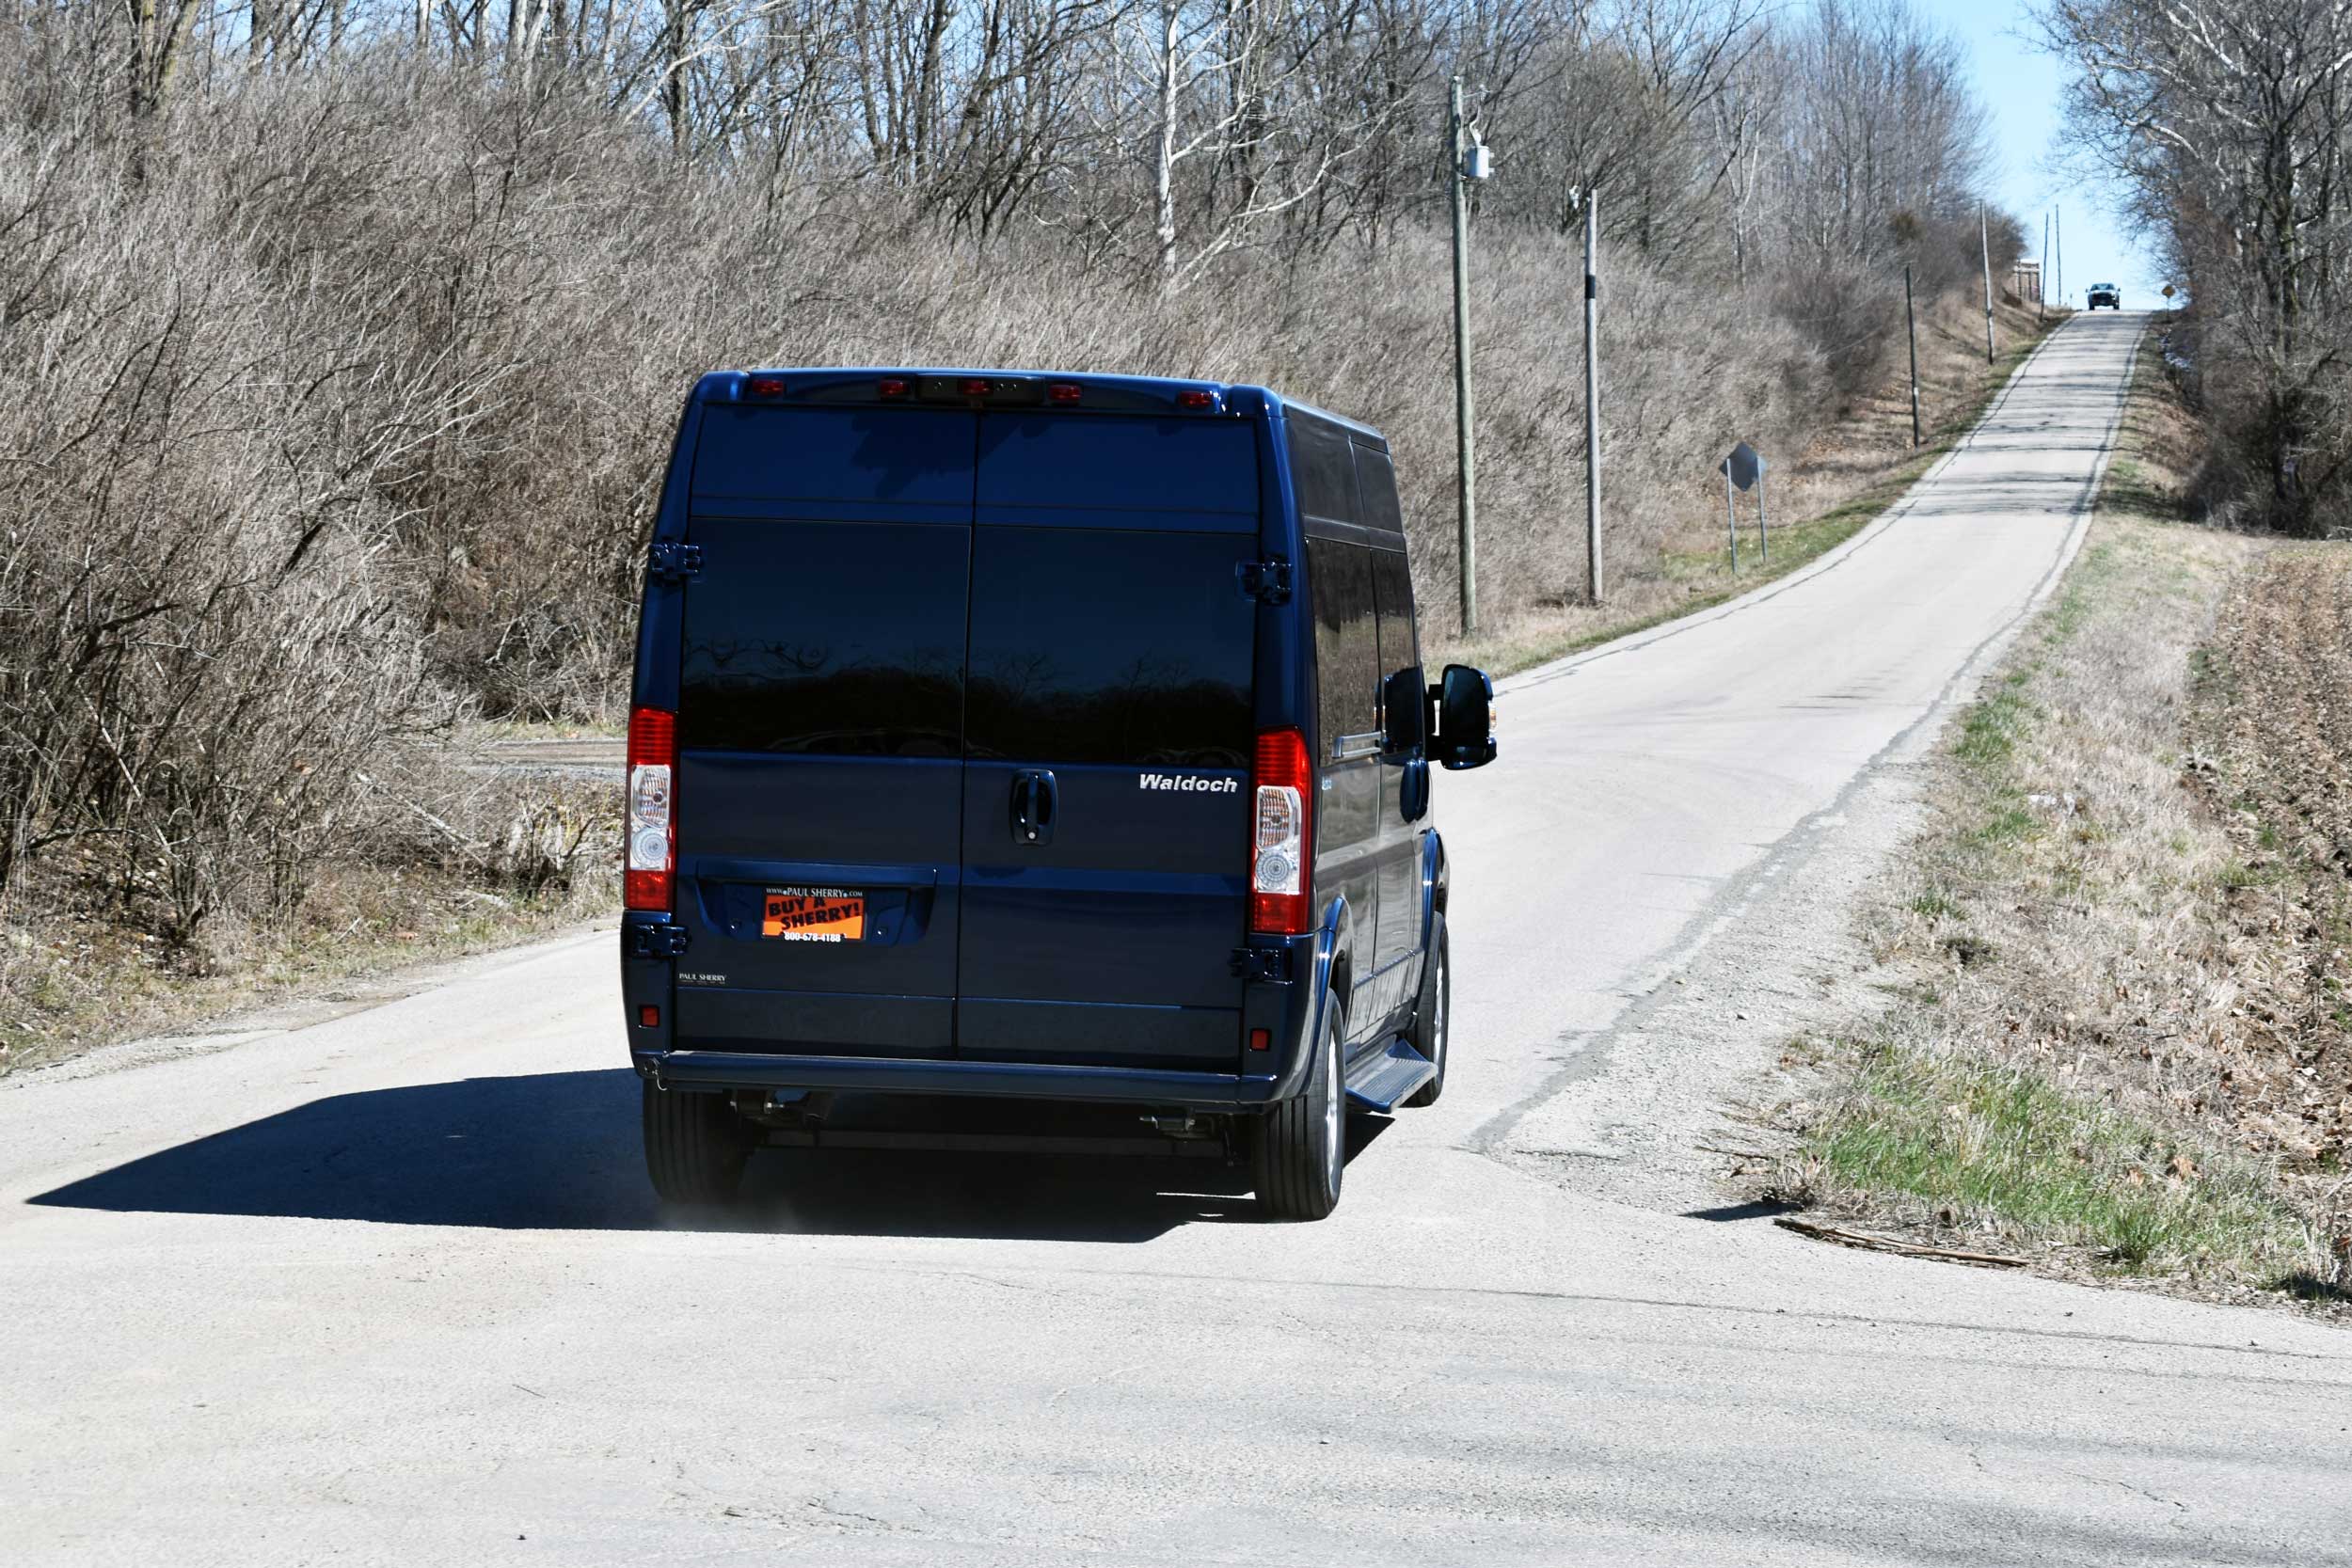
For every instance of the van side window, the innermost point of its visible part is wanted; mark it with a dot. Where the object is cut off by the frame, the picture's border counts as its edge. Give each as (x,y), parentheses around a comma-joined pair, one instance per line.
(1375,487)
(1347,642)
(1393,586)
(1322,473)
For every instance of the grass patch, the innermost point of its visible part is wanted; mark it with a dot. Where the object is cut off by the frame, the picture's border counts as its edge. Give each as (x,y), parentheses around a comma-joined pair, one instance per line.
(2002,1148)
(1989,729)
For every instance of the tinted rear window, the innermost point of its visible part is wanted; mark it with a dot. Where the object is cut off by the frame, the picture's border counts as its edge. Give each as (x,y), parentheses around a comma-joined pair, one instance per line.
(910,457)
(835,638)
(1110,646)
(1086,465)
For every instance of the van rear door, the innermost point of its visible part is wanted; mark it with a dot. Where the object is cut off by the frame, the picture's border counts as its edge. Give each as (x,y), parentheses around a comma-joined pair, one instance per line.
(1109,736)
(820,729)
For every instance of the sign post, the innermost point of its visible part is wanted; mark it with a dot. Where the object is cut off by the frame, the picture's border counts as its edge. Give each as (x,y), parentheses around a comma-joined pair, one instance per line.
(1744,470)
(1731,520)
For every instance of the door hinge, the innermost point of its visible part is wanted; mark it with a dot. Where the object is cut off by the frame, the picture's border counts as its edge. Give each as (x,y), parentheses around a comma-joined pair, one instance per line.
(673,560)
(664,939)
(1266,582)
(1262,963)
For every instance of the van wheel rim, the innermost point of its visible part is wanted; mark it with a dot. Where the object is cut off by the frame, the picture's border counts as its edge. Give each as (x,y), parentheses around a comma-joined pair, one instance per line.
(1334,1117)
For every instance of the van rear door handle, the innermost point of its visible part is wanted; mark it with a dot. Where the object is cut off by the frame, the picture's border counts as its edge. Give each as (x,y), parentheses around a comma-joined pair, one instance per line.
(1036,802)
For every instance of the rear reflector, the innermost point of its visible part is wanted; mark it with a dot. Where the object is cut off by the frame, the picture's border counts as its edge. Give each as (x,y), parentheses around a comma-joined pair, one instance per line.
(649,1017)
(1261,1039)
(765,387)
(1193,398)
(1281,845)
(646,877)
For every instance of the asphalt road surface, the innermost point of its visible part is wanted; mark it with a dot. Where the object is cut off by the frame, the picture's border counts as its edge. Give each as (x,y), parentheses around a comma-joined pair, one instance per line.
(392,1288)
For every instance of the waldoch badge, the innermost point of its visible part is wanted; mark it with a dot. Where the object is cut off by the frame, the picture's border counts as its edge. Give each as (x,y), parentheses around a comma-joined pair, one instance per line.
(813,914)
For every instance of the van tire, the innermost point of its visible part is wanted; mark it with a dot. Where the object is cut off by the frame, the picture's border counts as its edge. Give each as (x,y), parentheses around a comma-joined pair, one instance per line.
(1301,1145)
(1431,1034)
(695,1146)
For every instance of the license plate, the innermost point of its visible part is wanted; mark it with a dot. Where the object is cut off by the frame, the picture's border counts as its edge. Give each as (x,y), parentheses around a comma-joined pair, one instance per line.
(813,914)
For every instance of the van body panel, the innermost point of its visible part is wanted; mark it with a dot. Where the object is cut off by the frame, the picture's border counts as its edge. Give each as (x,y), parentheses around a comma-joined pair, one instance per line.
(820,719)
(1111,667)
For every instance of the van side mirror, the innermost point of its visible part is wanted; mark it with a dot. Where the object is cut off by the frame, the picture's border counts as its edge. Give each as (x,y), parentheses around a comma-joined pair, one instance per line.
(1466,718)
(1404,714)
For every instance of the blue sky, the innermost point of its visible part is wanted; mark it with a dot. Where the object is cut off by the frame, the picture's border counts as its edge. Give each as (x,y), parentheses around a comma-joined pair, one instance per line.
(2021,84)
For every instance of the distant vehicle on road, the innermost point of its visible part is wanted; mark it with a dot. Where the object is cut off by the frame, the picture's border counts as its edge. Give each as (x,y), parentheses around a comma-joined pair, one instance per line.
(2106,295)
(1010,736)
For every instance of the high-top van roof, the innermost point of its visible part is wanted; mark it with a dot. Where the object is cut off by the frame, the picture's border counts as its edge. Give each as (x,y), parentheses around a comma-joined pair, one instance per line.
(941,387)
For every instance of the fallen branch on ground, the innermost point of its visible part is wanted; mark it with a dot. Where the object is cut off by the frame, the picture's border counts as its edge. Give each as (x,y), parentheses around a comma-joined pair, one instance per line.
(1889,1244)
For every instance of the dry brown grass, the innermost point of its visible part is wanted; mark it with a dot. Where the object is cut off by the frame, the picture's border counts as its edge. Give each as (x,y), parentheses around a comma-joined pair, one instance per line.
(2115,1048)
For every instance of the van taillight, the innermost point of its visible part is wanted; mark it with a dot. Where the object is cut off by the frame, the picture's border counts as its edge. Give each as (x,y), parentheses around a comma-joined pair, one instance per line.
(1282,840)
(646,879)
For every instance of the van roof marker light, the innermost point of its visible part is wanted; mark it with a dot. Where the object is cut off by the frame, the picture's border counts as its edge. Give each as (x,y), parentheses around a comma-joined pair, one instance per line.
(891,386)
(1192,397)
(1064,391)
(764,387)
(976,389)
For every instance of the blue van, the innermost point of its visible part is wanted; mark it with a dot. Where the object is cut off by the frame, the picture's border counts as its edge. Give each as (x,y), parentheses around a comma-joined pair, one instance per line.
(1016,736)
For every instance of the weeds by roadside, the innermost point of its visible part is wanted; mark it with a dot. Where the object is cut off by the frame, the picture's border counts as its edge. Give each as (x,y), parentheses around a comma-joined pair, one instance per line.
(2113,1050)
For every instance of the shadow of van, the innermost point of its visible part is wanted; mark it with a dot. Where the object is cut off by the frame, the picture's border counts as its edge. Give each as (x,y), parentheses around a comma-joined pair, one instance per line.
(560,1152)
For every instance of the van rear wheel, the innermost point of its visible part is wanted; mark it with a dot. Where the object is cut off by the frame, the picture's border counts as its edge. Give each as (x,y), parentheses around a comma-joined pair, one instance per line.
(1302,1146)
(695,1146)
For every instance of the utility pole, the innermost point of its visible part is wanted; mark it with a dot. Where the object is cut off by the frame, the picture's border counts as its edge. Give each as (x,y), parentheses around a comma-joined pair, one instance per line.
(1465,459)
(2042,274)
(1592,397)
(1911,330)
(1984,246)
(2057,215)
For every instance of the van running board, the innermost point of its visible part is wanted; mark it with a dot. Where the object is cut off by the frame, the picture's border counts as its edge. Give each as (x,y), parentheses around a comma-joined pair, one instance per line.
(1376,1083)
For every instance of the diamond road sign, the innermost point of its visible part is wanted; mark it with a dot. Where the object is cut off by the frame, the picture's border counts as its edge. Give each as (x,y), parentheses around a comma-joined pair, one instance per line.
(1743,468)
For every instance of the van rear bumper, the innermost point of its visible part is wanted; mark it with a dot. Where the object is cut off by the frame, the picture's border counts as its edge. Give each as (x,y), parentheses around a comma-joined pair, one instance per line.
(729,1069)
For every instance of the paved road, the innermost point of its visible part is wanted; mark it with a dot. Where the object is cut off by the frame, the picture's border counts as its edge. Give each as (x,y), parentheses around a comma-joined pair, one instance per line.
(390,1288)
